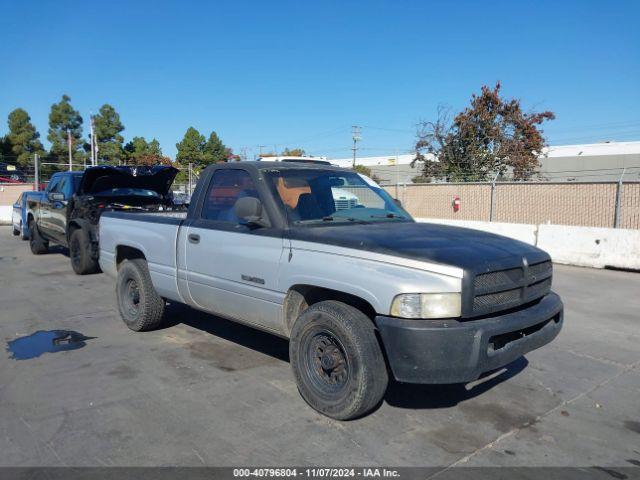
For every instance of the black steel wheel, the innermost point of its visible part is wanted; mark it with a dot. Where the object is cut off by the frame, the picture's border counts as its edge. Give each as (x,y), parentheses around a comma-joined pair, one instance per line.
(326,362)
(337,361)
(131,300)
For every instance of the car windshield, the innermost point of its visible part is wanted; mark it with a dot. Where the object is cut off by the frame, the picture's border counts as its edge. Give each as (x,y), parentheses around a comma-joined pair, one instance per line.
(314,196)
(122,192)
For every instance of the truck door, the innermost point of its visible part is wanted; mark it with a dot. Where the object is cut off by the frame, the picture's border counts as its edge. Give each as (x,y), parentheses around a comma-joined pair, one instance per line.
(58,208)
(43,214)
(232,269)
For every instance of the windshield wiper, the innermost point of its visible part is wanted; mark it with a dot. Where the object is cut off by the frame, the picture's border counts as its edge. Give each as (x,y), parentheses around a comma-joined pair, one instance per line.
(330,218)
(389,215)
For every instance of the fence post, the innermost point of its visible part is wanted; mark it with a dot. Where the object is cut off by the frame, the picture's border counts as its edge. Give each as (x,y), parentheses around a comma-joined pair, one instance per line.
(36,173)
(190,180)
(493,194)
(616,219)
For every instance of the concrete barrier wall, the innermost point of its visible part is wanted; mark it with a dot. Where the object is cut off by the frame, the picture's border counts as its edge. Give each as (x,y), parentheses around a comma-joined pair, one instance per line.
(582,246)
(5,215)
(591,247)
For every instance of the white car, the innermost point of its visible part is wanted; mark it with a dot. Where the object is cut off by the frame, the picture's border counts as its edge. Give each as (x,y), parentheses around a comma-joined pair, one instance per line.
(344,199)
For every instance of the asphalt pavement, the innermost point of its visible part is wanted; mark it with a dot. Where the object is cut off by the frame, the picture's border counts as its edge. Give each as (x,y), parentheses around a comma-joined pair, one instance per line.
(207,391)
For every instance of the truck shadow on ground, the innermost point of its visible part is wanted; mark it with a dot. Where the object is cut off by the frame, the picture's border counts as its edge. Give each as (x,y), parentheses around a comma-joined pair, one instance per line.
(401,395)
(58,249)
(416,396)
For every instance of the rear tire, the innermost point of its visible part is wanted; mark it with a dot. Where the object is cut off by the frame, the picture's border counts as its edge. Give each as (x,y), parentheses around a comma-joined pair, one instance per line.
(37,244)
(80,253)
(337,361)
(140,306)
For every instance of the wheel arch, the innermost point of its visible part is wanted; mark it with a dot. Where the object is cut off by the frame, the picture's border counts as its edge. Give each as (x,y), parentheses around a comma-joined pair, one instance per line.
(127,252)
(300,296)
(78,223)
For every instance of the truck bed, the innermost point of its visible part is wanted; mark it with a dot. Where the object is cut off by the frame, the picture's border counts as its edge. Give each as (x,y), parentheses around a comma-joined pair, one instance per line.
(154,234)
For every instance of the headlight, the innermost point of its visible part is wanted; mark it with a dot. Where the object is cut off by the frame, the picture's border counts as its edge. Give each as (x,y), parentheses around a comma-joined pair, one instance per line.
(426,305)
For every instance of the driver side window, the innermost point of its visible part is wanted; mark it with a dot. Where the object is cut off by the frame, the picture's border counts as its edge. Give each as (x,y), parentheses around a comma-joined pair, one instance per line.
(225,188)
(54,184)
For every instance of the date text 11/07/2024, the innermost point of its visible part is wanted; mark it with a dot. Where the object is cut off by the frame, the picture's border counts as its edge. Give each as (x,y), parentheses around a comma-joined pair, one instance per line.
(317,472)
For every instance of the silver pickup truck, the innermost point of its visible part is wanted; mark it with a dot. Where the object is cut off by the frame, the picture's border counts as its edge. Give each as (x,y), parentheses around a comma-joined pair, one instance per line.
(362,292)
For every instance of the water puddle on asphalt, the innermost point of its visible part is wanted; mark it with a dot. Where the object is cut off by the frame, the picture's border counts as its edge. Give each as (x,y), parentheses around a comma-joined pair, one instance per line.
(50,341)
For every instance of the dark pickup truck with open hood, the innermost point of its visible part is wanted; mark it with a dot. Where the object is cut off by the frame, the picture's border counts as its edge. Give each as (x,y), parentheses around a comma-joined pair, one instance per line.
(359,288)
(68,210)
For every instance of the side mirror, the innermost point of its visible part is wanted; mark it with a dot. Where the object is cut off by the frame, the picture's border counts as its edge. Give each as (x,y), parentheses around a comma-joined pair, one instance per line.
(249,209)
(397,202)
(56,197)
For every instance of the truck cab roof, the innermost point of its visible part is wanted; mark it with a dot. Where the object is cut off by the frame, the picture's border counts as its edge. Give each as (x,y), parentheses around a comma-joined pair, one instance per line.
(268,165)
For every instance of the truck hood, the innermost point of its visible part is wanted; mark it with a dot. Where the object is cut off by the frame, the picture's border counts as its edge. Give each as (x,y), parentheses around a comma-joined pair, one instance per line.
(98,179)
(472,250)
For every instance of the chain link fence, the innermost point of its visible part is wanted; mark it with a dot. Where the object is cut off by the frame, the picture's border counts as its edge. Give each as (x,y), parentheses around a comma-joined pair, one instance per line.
(589,204)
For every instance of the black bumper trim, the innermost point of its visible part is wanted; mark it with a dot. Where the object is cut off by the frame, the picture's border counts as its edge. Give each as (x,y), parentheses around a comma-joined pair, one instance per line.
(451,351)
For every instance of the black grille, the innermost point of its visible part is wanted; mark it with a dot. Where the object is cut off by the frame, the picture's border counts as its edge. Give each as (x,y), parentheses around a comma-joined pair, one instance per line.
(540,268)
(493,300)
(497,279)
(539,289)
(508,288)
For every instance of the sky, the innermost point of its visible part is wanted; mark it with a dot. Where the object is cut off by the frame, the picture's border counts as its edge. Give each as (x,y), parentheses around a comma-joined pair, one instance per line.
(299,73)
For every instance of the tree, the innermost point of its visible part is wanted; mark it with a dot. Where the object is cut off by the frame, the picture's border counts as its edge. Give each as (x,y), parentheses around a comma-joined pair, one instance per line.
(293,152)
(191,148)
(107,128)
(489,137)
(214,150)
(23,138)
(367,172)
(140,152)
(63,118)
(5,148)
(154,149)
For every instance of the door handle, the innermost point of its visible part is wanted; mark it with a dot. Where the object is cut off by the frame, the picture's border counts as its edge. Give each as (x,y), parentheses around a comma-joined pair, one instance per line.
(194,238)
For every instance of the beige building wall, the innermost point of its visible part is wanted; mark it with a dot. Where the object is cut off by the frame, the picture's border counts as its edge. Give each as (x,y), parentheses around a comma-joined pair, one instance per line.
(10,192)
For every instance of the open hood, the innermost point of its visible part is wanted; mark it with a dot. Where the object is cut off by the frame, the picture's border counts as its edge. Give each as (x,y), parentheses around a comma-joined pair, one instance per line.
(99,179)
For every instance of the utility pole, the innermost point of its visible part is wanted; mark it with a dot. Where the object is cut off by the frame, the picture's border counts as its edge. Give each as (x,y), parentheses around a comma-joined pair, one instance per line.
(355,134)
(70,154)
(36,173)
(93,143)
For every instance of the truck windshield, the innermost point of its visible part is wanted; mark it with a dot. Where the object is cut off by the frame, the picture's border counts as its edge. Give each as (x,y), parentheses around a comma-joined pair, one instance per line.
(312,196)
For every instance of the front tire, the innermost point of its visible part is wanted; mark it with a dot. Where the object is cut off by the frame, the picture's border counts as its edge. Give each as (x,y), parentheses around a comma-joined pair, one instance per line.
(80,253)
(15,232)
(23,234)
(37,244)
(337,361)
(140,306)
